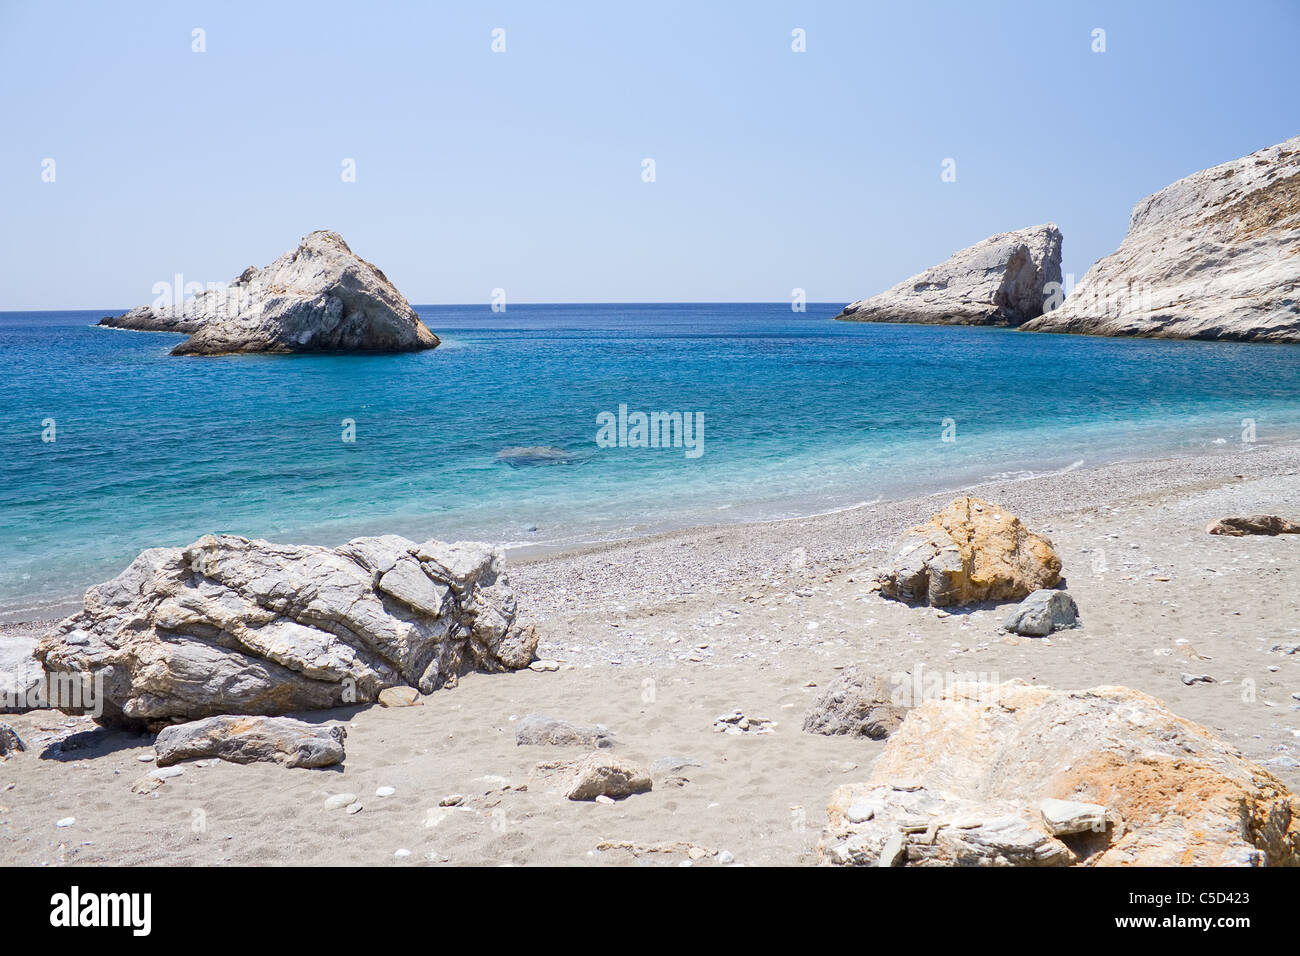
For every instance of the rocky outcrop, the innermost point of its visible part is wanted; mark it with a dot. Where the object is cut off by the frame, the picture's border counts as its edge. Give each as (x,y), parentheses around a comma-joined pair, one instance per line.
(282,740)
(233,626)
(1237,527)
(1042,613)
(856,704)
(319,297)
(1003,280)
(969,552)
(1015,775)
(1213,256)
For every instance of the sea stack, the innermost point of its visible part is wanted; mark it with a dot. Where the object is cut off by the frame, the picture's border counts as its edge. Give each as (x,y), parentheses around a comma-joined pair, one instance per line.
(1213,256)
(1002,280)
(319,297)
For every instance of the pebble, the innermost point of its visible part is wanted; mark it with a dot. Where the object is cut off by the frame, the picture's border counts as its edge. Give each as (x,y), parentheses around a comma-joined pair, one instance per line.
(544,666)
(385,791)
(355,807)
(145,758)
(402,852)
(726,856)
(65,822)
(601,798)
(340,800)
(452,800)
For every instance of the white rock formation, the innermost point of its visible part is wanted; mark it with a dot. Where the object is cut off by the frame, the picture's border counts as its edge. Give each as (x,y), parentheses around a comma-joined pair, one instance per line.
(319,297)
(232,626)
(1003,280)
(1214,256)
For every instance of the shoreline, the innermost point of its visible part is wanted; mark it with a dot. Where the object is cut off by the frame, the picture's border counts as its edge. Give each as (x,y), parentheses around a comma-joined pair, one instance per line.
(655,637)
(518,556)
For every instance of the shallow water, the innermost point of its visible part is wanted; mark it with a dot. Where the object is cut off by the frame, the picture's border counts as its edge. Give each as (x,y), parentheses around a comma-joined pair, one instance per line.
(800,414)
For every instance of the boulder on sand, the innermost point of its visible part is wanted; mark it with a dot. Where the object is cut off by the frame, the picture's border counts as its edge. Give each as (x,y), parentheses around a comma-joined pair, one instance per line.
(282,740)
(1002,280)
(233,626)
(319,297)
(971,551)
(1017,775)
(1043,612)
(856,704)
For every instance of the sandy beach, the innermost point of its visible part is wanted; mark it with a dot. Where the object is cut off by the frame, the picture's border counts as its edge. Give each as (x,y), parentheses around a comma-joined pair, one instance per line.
(657,637)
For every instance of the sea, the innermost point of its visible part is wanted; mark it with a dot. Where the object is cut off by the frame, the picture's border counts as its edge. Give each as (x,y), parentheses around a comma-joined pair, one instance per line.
(109,445)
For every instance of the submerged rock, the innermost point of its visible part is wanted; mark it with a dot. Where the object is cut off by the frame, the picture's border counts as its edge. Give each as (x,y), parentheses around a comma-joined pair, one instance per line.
(856,704)
(282,740)
(969,552)
(1214,256)
(1043,612)
(1253,524)
(319,297)
(233,626)
(1015,775)
(537,455)
(1002,280)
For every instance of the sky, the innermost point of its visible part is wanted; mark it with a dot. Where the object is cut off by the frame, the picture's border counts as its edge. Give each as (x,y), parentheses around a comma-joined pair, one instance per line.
(524,170)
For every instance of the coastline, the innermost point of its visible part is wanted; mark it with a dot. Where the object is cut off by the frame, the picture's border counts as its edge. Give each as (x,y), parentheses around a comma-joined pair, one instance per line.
(656,637)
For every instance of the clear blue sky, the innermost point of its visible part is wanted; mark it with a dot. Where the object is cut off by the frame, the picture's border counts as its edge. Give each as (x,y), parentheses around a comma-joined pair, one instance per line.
(522,170)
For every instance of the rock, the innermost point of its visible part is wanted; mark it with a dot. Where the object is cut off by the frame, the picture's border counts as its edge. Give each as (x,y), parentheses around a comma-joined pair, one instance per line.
(1253,524)
(537,455)
(594,775)
(969,552)
(1009,774)
(1065,817)
(1002,280)
(544,666)
(1043,612)
(385,791)
(452,800)
(539,729)
(399,697)
(10,742)
(65,822)
(233,626)
(340,800)
(737,723)
(726,857)
(856,704)
(1214,256)
(20,675)
(319,297)
(243,739)
(1190,679)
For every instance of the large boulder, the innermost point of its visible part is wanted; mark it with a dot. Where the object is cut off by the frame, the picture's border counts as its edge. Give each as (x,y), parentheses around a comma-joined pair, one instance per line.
(1016,775)
(233,626)
(1042,613)
(319,297)
(1002,280)
(969,552)
(1214,256)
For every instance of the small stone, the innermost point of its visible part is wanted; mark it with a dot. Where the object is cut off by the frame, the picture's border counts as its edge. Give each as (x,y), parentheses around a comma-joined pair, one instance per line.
(725,857)
(340,800)
(401,853)
(399,697)
(452,800)
(697,853)
(1190,679)
(355,807)
(145,758)
(385,791)
(65,822)
(601,798)
(543,666)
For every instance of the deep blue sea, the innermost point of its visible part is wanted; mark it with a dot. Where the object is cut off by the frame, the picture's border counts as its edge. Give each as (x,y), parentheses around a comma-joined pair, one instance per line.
(801,414)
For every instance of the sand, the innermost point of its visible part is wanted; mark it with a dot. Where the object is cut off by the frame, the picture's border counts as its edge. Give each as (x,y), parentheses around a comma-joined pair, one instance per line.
(659,636)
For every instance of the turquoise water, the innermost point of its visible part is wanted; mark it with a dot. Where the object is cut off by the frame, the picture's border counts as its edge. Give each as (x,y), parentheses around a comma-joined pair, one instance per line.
(801,414)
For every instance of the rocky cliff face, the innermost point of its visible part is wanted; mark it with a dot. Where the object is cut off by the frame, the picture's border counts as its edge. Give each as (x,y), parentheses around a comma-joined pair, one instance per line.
(1002,280)
(319,297)
(1214,256)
